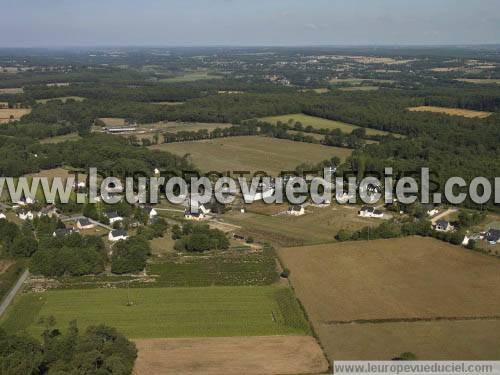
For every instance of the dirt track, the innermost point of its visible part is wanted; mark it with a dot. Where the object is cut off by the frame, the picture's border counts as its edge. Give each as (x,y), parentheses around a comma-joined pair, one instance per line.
(230,355)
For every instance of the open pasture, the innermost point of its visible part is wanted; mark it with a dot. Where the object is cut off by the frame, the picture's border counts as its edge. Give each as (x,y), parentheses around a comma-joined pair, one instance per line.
(261,355)
(9,114)
(468,113)
(319,123)
(252,153)
(165,312)
(347,287)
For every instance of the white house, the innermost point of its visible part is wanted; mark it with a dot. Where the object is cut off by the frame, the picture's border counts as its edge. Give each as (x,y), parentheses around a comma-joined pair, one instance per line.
(26,215)
(2,216)
(195,216)
(431,210)
(150,211)
(117,235)
(296,210)
(493,236)
(443,226)
(367,211)
(113,217)
(47,211)
(84,223)
(25,201)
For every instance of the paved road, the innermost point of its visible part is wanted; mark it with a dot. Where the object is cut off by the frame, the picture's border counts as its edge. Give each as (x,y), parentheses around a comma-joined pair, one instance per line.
(10,296)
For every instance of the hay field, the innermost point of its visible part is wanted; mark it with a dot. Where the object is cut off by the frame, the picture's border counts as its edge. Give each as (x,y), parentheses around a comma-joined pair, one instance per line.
(379,285)
(63,99)
(7,114)
(318,225)
(252,153)
(468,113)
(319,123)
(263,355)
(191,77)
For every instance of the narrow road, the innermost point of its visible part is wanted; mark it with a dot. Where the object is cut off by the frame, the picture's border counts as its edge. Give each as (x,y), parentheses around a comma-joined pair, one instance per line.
(10,296)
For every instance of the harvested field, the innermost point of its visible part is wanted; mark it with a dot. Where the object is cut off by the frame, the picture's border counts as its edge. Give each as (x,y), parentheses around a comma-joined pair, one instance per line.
(231,355)
(319,123)
(360,88)
(252,153)
(451,111)
(390,287)
(480,81)
(113,121)
(444,340)
(9,114)
(12,91)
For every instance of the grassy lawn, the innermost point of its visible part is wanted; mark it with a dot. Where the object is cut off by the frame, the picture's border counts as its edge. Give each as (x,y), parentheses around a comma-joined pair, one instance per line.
(252,153)
(319,123)
(165,312)
(319,225)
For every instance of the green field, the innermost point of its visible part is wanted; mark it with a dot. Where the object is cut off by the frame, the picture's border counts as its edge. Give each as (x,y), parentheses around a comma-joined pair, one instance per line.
(252,153)
(319,123)
(64,99)
(221,270)
(191,77)
(164,312)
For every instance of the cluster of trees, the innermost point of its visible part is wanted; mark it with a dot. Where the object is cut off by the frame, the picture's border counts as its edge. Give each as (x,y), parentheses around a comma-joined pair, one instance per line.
(196,237)
(98,350)
(16,241)
(130,255)
(73,255)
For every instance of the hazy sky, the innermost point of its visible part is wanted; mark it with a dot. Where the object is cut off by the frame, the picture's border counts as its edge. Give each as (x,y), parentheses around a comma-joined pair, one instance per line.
(25,23)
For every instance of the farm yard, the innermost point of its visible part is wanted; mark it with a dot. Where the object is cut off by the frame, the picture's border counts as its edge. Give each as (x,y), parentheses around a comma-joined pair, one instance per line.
(231,355)
(319,123)
(388,285)
(451,111)
(319,225)
(252,153)
(10,114)
(165,312)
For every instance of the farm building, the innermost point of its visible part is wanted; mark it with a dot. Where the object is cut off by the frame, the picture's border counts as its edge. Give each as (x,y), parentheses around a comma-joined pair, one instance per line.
(117,235)
(367,211)
(296,210)
(84,223)
(443,226)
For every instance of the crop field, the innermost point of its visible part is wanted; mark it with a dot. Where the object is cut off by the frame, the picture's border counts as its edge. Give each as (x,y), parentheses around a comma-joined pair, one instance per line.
(252,153)
(350,286)
(165,312)
(319,123)
(191,77)
(451,111)
(220,270)
(261,355)
(318,225)
(358,81)
(6,114)
(360,88)
(63,99)
(12,91)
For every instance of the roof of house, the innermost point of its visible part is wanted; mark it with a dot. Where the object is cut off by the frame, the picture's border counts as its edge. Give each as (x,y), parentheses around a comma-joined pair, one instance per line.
(147,209)
(442,223)
(367,209)
(377,212)
(63,231)
(112,214)
(295,207)
(428,206)
(119,233)
(84,222)
(493,235)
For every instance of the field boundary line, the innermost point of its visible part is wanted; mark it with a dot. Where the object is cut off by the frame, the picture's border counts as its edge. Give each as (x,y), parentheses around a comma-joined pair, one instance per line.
(13,292)
(413,320)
